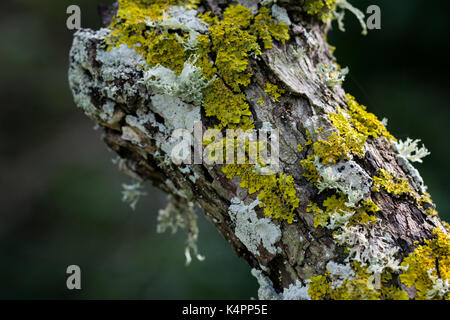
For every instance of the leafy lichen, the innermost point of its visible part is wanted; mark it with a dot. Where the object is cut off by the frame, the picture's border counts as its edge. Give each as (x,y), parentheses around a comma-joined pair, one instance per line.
(428,268)
(273,91)
(276,192)
(391,183)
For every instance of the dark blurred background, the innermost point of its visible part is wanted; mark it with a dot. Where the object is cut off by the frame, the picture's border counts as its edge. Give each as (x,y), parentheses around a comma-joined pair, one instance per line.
(60,194)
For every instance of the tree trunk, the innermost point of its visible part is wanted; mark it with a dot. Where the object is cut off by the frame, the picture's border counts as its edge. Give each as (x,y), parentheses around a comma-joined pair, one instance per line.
(354,251)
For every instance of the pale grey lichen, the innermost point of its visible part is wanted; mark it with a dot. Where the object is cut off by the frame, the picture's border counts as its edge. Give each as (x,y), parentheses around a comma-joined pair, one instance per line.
(414,175)
(372,246)
(251,230)
(131,193)
(266,290)
(107,112)
(339,273)
(407,152)
(411,151)
(119,62)
(180,18)
(280,14)
(331,74)
(440,287)
(128,134)
(345,5)
(178,115)
(299,53)
(80,78)
(142,118)
(190,43)
(188,85)
(296,291)
(347,177)
(181,217)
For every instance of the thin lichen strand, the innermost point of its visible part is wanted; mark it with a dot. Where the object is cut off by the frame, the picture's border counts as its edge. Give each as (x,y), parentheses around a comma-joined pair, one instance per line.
(428,268)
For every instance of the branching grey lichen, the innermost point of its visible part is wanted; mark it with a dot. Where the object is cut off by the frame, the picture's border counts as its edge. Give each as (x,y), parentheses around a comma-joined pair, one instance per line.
(176,217)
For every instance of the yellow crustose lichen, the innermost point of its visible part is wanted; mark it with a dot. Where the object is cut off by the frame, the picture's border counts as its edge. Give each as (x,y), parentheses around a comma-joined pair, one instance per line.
(267,29)
(336,205)
(391,183)
(354,126)
(273,91)
(157,47)
(323,9)
(233,39)
(365,122)
(276,192)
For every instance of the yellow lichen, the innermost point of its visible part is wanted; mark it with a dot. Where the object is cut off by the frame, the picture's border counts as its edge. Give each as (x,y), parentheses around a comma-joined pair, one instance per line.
(365,122)
(428,268)
(267,28)
(273,91)
(232,44)
(311,172)
(276,192)
(323,9)
(391,183)
(231,109)
(157,47)
(358,287)
(336,205)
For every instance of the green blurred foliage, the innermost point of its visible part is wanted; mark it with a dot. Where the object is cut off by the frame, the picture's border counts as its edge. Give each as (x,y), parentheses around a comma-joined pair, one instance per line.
(60,193)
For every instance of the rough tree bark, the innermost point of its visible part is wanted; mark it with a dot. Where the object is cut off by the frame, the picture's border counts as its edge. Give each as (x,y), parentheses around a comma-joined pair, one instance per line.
(111,92)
